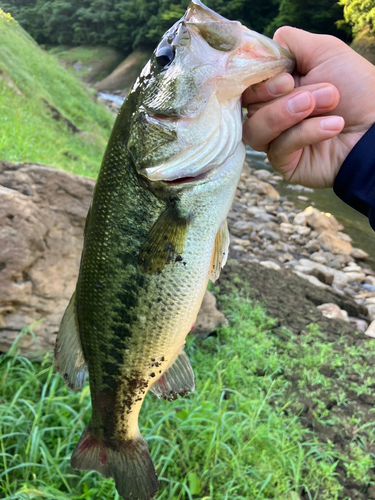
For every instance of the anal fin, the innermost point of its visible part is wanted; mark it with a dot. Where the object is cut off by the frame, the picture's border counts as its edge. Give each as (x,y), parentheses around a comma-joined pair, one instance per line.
(177,380)
(69,358)
(220,253)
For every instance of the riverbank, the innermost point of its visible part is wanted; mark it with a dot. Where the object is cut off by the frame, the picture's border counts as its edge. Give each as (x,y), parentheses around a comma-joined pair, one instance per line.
(269,230)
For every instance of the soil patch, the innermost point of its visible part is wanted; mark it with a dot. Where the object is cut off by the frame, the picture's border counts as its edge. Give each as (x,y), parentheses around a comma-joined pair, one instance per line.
(329,365)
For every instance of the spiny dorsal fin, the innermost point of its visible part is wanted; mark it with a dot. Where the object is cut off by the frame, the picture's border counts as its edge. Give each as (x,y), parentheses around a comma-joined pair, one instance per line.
(177,380)
(69,358)
(220,253)
(165,242)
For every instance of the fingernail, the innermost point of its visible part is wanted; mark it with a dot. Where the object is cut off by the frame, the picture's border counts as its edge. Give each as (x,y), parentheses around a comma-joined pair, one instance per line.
(280,85)
(332,123)
(323,97)
(300,102)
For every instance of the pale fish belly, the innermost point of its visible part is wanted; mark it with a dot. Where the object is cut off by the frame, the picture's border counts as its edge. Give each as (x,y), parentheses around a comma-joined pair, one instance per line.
(177,292)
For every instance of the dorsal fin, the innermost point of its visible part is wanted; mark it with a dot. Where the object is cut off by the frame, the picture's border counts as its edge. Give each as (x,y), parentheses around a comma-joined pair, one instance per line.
(220,253)
(177,380)
(69,358)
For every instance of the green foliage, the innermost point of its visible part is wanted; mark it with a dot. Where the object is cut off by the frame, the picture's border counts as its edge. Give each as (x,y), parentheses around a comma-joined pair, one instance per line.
(28,78)
(231,439)
(360,15)
(125,24)
(316,16)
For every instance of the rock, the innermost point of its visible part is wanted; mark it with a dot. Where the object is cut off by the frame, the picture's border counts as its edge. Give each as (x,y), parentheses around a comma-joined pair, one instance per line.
(287,257)
(263,174)
(255,210)
(319,258)
(272,235)
(241,227)
(270,248)
(369,280)
(319,221)
(368,288)
(303,198)
(339,278)
(271,209)
(238,248)
(352,267)
(334,243)
(359,254)
(312,246)
(208,317)
(283,217)
(333,311)
(42,216)
(356,277)
(323,274)
(300,219)
(269,264)
(304,231)
(370,300)
(371,311)
(360,324)
(371,329)
(311,279)
(344,237)
(264,217)
(246,170)
(324,277)
(240,241)
(286,228)
(259,187)
(344,259)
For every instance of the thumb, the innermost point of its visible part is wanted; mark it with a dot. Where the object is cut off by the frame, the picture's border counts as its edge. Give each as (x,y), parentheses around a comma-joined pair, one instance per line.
(309,49)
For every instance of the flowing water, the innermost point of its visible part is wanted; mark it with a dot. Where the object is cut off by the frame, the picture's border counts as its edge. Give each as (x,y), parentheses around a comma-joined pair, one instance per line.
(356,225)
(112,97)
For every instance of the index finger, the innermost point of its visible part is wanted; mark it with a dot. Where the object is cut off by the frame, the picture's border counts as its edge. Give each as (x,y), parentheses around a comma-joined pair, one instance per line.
(270,89)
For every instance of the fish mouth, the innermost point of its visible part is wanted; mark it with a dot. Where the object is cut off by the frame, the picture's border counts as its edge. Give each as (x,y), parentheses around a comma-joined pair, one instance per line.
(187,180)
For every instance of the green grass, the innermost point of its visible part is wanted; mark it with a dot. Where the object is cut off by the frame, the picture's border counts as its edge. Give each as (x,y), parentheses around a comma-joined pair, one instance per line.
(28,132)
(102,60)
(230,439)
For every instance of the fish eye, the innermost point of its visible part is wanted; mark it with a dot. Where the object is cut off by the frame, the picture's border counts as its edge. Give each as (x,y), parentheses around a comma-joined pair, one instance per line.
(165,55)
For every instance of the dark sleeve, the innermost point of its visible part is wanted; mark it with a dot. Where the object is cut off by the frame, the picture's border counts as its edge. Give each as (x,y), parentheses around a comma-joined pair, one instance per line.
(355,182)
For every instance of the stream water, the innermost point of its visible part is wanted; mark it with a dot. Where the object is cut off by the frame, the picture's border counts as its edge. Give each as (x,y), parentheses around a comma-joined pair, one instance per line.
(355,224)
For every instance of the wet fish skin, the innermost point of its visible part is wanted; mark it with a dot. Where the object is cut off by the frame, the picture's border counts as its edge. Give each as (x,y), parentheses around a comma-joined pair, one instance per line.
(156,233)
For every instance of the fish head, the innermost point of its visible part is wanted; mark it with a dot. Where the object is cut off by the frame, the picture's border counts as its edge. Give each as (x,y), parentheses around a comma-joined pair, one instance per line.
(188,118)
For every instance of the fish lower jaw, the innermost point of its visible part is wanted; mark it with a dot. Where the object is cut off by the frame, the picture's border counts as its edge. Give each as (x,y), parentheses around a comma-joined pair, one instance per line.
(212,174)
(186,180)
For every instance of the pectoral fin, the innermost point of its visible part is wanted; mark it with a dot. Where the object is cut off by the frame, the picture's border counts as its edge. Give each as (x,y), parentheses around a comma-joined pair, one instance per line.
(69,358)
(177,380)
(165,241)
(220,253)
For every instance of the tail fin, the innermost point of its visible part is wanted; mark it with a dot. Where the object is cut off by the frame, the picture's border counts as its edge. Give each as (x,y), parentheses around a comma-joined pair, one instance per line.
(130,465)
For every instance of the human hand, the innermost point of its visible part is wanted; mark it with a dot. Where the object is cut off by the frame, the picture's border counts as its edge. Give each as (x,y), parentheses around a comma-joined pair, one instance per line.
(308,131)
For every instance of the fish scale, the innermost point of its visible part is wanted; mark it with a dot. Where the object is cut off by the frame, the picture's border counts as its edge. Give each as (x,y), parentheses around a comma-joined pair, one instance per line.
(156,233)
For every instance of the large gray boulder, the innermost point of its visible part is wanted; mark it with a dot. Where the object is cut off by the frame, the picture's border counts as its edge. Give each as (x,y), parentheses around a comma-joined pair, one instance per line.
(42,216)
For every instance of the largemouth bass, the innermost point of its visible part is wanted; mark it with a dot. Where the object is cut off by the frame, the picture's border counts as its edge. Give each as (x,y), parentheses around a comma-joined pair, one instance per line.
(156,233)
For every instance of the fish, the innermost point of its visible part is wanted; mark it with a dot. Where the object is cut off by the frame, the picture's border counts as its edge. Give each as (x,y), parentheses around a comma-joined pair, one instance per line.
(156,233)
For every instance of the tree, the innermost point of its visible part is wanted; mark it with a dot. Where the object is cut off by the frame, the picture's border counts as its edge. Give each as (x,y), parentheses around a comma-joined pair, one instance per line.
(317,16)
(360,15)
